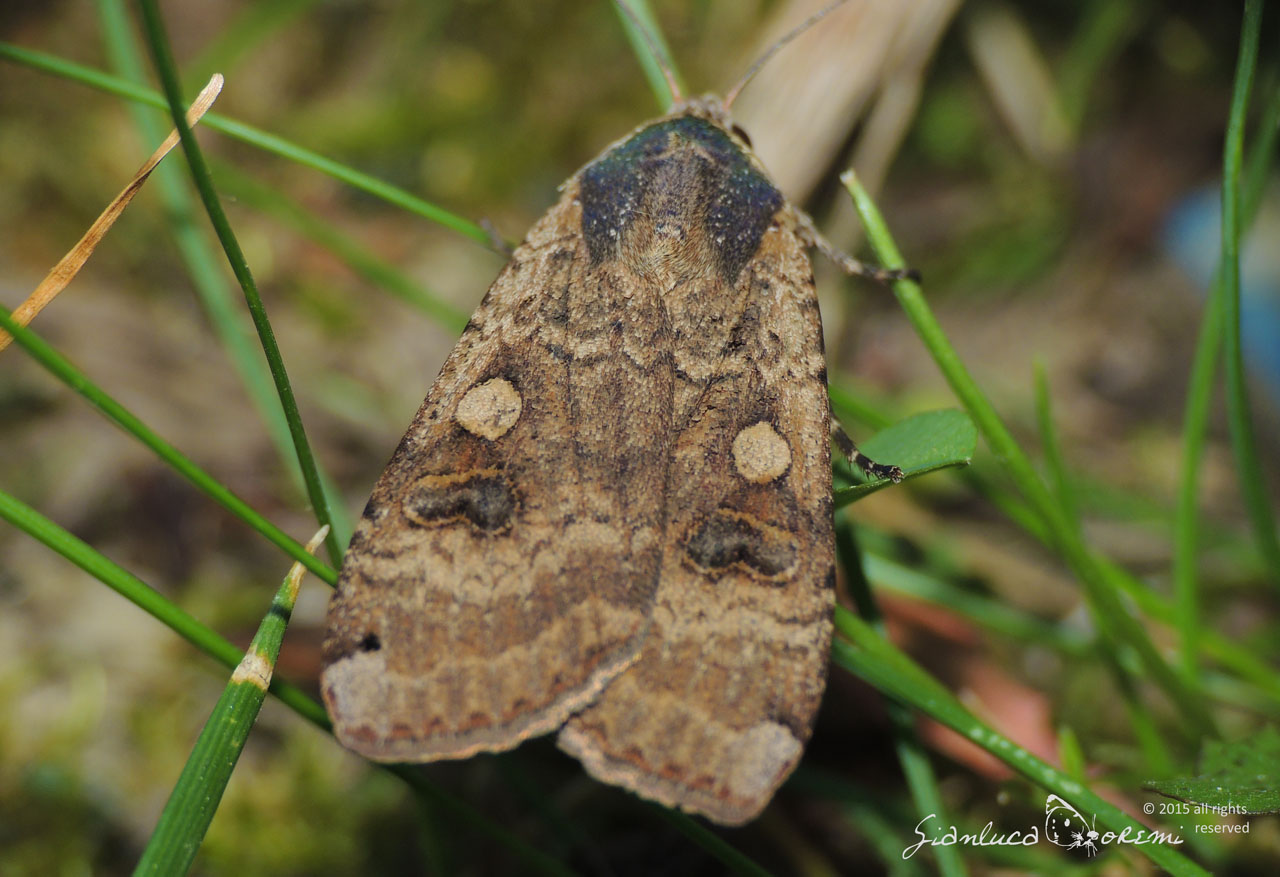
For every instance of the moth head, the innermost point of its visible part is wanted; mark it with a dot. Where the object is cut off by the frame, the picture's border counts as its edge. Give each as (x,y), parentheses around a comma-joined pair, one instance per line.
(712,108)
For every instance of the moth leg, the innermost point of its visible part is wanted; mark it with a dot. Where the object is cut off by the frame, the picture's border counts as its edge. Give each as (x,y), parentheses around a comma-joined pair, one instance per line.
(496,240)
(813,238)
(859,459)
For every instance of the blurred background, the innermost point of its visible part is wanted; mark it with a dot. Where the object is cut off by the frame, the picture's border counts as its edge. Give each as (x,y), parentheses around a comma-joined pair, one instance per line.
(1049,167)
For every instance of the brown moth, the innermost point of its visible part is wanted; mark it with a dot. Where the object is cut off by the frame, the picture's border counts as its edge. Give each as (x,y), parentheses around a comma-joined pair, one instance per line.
(612,514)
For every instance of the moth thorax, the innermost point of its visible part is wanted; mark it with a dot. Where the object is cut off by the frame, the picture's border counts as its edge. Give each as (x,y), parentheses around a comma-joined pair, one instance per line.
(669,254)
(672,245)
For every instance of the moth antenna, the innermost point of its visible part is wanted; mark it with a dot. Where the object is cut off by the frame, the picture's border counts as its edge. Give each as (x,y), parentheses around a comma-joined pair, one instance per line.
(773,50)
(655,49)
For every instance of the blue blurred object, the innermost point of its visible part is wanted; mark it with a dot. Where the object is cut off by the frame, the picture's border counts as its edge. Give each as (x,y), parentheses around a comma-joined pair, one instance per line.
(1193,238)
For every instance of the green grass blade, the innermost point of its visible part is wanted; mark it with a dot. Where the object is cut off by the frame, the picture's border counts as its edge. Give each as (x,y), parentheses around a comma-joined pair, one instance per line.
(162,54)
(1253,483)
(736,861)
(1070,754)
(1186,533)
(1262,154)
(206,274)
(252,24)
(379,273)
(1106,27)
(571,836)
(869,817)
(63,370)
(146,598)
(849,405)
(1053,448)
(1195,421)
(641,28)
(1155,752)
(1258,684)
(254,137)
(916,769)
(531,860)
(865,653)
(1232,654)
(988,613)
(195,797)
(208,641)
(1109,611)
(1139,718)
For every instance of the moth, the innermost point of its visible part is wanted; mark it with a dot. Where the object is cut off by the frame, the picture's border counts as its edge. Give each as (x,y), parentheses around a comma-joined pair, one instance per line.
(611,517)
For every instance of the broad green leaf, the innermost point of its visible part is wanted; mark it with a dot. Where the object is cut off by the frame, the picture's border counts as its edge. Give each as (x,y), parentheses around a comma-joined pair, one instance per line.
(920,444)
(1243,775)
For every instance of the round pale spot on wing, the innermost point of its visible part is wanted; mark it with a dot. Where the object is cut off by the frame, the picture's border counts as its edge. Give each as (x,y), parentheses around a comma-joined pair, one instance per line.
(489,409)
(760,454)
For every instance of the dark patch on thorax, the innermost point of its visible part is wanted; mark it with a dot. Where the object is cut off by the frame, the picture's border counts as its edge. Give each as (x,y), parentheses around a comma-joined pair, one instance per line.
(687,177)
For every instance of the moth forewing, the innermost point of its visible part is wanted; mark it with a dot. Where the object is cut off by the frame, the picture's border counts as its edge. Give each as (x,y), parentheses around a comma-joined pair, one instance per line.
(715,713)
(612,514)
(504,567)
